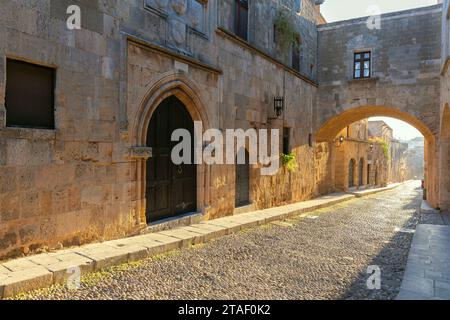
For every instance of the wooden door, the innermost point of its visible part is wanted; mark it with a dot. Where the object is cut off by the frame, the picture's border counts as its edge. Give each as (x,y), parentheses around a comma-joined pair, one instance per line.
(243,181)
(171,189)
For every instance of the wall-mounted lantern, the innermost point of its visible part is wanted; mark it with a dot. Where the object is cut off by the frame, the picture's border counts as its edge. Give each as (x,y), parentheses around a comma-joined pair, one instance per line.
(339,141)
(371,146)
(278,104)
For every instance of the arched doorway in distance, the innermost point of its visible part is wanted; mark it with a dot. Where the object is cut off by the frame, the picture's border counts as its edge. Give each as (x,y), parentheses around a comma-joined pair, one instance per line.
(351,173)
(171,190)
(361,172)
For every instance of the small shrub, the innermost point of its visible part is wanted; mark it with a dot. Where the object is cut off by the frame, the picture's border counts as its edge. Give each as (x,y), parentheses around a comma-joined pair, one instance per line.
(289,161)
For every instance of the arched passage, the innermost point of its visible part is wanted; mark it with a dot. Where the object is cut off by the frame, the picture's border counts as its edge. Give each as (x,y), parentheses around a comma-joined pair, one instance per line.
(328,131)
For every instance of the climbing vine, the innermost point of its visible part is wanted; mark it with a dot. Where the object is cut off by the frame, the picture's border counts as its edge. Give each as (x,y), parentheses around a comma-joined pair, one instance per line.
(384,145)
(285,29)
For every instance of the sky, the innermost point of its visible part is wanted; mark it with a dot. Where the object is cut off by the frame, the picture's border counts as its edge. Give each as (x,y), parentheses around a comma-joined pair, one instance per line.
(402,130)
(335,10)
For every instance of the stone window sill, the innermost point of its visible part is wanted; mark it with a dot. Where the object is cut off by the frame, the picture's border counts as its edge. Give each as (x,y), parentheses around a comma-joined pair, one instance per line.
(28,133)
(362,80)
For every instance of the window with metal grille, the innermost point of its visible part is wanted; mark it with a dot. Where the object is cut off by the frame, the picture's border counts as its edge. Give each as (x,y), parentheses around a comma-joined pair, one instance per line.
(241,19)
(362,65)
(29,98)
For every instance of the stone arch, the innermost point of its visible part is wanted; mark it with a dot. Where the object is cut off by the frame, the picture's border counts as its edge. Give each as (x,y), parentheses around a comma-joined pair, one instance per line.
(172,84)
(178,85)
(329,129)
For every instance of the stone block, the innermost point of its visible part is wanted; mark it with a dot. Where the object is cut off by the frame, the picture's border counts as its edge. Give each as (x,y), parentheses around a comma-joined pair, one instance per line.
(25,280)
(187,237)
(211,231)
(104,256)
(62,269)
(168,243)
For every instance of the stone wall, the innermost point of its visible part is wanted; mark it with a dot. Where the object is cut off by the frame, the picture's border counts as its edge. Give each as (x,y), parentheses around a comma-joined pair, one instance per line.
(85,180)
(405,81)
(444,151)
(357,147)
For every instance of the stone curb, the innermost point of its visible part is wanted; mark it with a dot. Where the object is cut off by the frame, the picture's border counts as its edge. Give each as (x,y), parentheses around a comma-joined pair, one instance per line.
(44,270)
(368,192)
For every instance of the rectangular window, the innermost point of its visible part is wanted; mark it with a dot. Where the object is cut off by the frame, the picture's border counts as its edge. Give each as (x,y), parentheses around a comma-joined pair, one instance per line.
(286,140)
(296,53)
(29,98)
(197,15)
(241,19)
(362,65)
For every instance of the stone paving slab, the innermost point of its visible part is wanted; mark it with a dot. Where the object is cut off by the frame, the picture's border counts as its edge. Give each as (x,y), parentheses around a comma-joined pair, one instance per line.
(43,270)
(427,274)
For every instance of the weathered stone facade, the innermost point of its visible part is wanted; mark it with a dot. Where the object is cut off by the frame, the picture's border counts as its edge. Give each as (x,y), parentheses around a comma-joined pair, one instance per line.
(404,83)
(396,158)
(360,163)
(86,180)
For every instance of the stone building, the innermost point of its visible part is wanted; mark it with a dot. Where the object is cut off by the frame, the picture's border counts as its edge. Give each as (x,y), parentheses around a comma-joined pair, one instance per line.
(396,150)
(91,163)
(391,71)
(361,160)
(86,114)
(415,158)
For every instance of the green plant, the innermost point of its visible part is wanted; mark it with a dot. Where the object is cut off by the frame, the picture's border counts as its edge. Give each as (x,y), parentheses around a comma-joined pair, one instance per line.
(289,161)
(285,29)
(384,144)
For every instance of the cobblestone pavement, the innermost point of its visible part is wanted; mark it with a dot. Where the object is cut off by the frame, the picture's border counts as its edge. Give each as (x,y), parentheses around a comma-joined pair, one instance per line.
(324,255)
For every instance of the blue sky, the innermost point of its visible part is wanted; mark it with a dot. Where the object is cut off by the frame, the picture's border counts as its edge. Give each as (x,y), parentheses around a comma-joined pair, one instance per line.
(335,10)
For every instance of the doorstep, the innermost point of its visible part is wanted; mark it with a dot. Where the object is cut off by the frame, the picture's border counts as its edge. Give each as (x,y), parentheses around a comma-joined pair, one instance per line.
(44,270)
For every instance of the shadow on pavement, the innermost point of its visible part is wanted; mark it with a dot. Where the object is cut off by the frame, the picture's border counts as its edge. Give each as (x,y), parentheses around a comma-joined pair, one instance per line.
(391,260)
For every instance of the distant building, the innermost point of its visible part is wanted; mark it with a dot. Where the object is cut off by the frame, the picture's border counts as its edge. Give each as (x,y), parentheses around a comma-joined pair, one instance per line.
(396,167)
(415,158)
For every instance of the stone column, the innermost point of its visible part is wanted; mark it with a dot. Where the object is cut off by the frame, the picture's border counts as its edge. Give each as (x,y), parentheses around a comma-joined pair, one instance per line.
(2,115)
(140,155)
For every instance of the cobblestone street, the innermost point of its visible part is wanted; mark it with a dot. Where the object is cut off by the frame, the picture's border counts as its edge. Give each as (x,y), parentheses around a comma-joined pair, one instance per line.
(324,255)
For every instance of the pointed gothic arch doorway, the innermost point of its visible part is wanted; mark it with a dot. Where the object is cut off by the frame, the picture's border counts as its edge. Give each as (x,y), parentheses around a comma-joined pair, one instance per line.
(171,190)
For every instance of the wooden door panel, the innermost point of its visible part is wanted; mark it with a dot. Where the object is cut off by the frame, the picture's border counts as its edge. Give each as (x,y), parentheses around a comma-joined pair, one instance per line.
(171,189)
